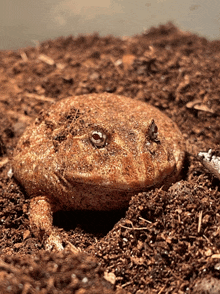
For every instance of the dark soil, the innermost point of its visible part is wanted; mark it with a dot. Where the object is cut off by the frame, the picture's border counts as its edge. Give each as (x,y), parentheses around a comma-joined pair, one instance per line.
(166,241)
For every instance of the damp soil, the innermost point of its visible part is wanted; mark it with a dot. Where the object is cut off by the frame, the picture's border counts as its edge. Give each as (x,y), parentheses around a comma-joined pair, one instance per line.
(165,241)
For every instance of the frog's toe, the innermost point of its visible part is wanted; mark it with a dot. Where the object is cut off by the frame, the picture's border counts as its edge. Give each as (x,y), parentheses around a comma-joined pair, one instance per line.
(54,243)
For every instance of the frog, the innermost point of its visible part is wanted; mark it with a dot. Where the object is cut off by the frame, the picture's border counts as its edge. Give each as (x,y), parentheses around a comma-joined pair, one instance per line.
(94,152)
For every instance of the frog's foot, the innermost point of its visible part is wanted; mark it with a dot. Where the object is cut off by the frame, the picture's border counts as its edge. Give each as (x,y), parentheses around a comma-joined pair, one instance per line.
(41,223)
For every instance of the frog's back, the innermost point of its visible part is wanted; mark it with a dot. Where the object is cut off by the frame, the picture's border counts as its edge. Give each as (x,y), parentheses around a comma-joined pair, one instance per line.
(95,151)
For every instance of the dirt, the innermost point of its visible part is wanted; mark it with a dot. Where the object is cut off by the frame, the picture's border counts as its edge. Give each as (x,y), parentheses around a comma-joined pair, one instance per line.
(165,241)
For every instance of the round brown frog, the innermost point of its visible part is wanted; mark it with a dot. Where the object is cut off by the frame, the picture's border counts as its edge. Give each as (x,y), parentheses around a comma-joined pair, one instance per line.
(92,152)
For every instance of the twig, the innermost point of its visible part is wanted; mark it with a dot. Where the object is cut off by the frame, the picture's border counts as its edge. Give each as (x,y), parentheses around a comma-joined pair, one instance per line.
(141,218)
(161,290)
(39,97)
(200,221)
(126,284)
(133,228)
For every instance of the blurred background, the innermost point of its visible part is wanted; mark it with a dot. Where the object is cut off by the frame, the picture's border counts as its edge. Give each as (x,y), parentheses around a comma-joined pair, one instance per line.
(28,22)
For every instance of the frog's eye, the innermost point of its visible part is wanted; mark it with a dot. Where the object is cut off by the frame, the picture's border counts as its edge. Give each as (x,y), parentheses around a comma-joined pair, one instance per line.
(153,131)
(98,138)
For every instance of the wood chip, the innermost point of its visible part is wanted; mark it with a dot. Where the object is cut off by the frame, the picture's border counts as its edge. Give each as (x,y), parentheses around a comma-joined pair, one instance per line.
(211,162)
(198,105)
(3,162)
(24,56)
(46,59)
(203,107)
(110,277)
(216,256)
(191,104)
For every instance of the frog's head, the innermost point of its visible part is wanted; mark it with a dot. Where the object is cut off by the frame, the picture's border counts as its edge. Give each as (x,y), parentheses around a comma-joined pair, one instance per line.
(119,143)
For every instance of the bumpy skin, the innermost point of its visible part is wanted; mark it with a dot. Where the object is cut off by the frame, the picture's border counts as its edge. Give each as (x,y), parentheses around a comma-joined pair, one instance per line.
(55,158)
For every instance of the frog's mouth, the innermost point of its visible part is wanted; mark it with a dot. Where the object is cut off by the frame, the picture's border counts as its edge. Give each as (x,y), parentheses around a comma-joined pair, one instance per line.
(97,183)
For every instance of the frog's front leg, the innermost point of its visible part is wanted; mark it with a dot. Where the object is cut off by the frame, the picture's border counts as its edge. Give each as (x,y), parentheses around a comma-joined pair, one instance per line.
(41,223)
